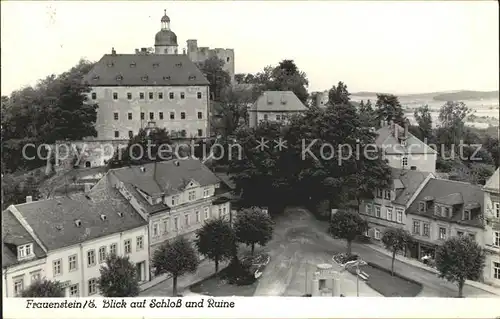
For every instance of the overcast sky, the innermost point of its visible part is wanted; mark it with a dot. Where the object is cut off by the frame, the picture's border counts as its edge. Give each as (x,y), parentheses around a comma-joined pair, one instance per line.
(399,47)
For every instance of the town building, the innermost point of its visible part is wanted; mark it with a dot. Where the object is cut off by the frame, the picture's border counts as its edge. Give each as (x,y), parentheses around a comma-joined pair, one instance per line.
(67,239)
(176,197)
(201,54)
(492,229)
(403,150)
(388,207)
(143,90)
(276,106)
(443,209)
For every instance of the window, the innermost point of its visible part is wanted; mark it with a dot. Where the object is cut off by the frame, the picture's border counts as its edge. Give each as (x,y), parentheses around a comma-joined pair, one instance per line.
(220,212)
(183,115)
(160,115)
(192,195)
(141,96)
(115,115)
(265,117)
(447,212)
(198,95)
(404,161)
(127,244)
(160,96)
(171,95)
(176,223)
(380,193)
(35,276)
(387,195)
(377,233)
(151,115)
(186,220)
(90,258)
(18,286)
(496,239)
(496,207)
(377,211)
(117,134)
(389,213)
(200,115)
(102,254)
(57,267)
(182,95)
(129,96)
(166,225)
(112,249)
(442,233)
(94,95)
(175,200)
(74,291)
(150,95)
(224,210)
(278,117)
(156,229)
(496,270)
(130,134)
(172,115)
(472,236)
(227,59)
(399,216)
(437,210)
(115,96)
(200,132)
(24,251)
(129,115)
(206,212)
(460,233)
(206,192)
(92,286)
(142,116)
(467,215)
(139,244)
(72,261)
(416,227)
(427,230)
(369,209)
(421,207)
(197,216)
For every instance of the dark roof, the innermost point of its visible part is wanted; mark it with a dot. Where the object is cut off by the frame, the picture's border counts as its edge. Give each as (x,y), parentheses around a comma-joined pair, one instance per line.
(165,178)
(410,180)
(388,142)
(53,220)
(145,70)
(281,101)
(451,193)
(13,235)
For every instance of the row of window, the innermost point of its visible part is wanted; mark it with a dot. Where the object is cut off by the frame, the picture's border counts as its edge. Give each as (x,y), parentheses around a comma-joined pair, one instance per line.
(384,194)
(282,117)
(19,282)
(376,211)
(165,225)
(173,133)
(425,230)
(442,211)
(57,265)
(142,95)
(116,116)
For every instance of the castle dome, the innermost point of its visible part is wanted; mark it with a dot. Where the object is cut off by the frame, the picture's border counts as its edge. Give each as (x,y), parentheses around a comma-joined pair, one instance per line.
(165,38)
(165,18)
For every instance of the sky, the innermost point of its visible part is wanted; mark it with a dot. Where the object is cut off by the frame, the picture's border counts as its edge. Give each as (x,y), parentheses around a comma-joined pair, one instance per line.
(395,46)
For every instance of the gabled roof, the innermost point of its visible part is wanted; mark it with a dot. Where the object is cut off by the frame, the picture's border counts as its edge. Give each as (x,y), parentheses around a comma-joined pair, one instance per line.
(280,101)
(145,70)
(164,178)
(450,193)
(493,183)
(406,183)
(53,220)
(13,235)
(388,142)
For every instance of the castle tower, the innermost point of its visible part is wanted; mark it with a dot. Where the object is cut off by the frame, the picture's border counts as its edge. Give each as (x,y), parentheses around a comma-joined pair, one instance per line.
(165,39)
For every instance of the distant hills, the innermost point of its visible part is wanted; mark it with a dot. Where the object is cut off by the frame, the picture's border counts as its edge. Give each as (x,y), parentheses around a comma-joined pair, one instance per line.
(458,95)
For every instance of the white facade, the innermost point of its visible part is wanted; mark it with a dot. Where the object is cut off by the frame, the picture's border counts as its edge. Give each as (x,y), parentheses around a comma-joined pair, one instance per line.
(418,162)
(492,237)
(75,267)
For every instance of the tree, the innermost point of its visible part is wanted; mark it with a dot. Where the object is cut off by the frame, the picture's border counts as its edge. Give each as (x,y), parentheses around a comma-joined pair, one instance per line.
(395,240)
(424,120)
(460,259)
(389,109)
(177,257)
(44,288)
(231,111)
(218,78)
(253,226)
(347,226)
(118,278)
(367,114)
(452,116)
(339,94)
(216,241)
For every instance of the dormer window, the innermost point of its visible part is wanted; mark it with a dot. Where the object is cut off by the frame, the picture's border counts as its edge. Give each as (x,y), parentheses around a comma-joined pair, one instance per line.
(119,77)
(110,64)
(25,251)
(192,77)
(380,193)
(95,77)
(437,209)
(175,200)
(269,102)
(421,207)
(403,143)
(132,65)
(78,223)
(387,195)
(467,215)
(166,77)
(178,64)
(155,65)
(103,217)
(145,78)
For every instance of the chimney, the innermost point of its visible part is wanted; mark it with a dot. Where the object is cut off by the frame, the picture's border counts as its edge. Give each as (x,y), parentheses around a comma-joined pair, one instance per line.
(144,50)
(143,169)
(113,52)
(87,186)
(137,51)
(103,217)
(29,199)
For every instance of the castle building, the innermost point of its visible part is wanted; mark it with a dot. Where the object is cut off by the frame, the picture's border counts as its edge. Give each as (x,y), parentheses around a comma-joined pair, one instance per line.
(161,89)
(201,54)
